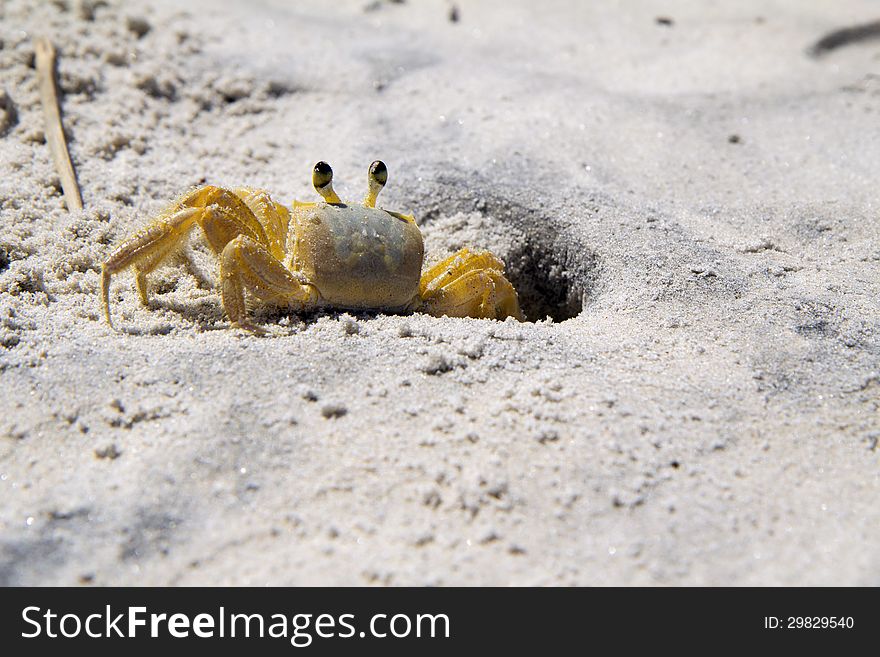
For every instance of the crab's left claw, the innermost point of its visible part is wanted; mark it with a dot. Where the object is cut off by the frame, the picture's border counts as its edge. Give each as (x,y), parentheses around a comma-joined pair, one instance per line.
(469,284)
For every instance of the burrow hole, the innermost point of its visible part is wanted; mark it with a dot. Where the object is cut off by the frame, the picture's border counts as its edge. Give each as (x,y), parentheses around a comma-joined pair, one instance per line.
(546,284)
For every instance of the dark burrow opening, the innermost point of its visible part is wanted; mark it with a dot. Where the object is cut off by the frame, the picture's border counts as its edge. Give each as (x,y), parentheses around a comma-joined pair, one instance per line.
(547,286)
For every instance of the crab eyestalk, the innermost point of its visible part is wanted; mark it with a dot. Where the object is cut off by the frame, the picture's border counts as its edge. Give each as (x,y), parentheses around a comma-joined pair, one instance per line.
(377,177)
(322,179)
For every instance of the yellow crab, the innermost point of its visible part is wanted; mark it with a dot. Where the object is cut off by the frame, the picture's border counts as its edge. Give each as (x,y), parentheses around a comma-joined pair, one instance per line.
(318,255)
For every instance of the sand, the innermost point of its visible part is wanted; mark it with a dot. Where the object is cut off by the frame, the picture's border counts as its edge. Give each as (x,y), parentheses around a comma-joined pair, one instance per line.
(684,194)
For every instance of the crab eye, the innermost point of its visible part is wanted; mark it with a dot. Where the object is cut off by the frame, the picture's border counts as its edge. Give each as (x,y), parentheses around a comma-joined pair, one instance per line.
(379,172)
(322,175)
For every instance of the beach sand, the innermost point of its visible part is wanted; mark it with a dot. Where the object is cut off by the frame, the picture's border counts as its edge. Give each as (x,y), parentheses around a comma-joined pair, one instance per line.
(684,194)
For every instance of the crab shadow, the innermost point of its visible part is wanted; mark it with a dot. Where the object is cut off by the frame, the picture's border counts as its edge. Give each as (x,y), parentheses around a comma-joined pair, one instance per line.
(208,315)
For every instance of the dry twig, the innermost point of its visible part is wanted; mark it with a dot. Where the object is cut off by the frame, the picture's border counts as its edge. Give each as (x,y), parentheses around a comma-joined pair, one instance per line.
(45,60)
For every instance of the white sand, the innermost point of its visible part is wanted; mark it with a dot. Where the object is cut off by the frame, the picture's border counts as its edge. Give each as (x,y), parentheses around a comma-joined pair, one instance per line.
(710,417)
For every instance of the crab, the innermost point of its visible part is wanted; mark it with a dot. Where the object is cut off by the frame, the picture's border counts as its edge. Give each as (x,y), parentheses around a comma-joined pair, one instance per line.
(316,255)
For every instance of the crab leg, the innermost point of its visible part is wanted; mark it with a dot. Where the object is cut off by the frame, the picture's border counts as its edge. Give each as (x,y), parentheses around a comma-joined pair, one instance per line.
(273,216)
(469,284)
(246,265)
(221,214)
(145,250)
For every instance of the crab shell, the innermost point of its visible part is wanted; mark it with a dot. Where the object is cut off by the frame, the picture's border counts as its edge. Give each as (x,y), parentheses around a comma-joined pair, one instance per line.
(358,257)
